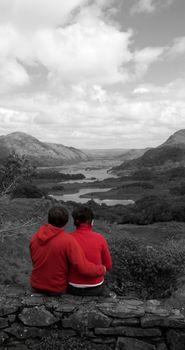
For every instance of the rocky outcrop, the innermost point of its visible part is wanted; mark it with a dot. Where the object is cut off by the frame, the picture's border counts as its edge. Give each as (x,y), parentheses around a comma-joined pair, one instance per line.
(34,321)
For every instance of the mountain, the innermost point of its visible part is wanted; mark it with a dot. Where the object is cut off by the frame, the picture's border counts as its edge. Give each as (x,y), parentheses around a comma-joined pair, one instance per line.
(178,138)
(120,154)
(105,153)
(133,154)
(168,155)
(41,153)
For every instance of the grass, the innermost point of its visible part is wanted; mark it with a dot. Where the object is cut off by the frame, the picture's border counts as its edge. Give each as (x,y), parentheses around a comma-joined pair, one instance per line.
(14,244)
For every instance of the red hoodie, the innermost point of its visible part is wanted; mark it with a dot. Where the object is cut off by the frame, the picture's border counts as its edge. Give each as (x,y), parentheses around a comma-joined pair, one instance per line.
(96,250)
(53,251)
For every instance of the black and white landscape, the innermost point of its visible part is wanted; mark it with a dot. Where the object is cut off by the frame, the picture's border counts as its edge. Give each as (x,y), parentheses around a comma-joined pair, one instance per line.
(92,111)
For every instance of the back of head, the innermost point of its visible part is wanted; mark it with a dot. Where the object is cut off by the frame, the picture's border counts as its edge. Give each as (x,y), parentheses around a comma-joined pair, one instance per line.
(82,214)
(58,216)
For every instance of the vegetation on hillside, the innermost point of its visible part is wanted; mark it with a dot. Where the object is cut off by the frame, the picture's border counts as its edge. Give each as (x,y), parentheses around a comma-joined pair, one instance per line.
(13,171)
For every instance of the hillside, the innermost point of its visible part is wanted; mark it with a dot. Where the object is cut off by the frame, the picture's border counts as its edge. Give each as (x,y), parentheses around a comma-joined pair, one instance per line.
(168,155)
(115,153)
(40,153)
(178,138)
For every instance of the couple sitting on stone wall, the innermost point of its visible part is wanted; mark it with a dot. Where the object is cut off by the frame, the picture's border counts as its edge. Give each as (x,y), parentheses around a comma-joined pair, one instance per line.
(69,262)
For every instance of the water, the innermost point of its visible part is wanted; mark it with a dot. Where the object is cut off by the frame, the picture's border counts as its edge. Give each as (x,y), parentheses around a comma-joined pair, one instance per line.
(76,197)
(97,171)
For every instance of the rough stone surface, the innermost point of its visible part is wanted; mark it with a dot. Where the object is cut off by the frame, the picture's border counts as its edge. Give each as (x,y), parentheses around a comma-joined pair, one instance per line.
(97,319)
(133,344)
(3,322)
(130,332)
(8,309)
(125,322)
(66,333)
(122,310)
(157,321)
(176,340)
(21,332)
(37,316)
(3,337)
(32,300)
(161,346)
(11,318)
(159,311)
(65,308)
(77,321)
(32,321)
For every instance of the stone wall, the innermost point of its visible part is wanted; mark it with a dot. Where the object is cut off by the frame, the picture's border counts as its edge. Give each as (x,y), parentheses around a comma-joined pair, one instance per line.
(31,321)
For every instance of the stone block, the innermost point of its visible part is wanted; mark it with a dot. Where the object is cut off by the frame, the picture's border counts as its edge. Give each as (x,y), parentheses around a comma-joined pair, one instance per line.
(3,337)
(161,346)
(122,310)
(32,300)
(21,332)
(37,316)
(125,322)
(8,309)
(11,318)
(158,321)
(77,321)
(157,310)
(133,302)
(133,344)
(153,302)
(101,340)
(97,319)
(175,340)
(67,308)
(66,333)
(3,322)
(130,332)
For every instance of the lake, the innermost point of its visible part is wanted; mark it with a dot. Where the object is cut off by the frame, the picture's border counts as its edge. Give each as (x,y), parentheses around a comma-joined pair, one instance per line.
(93,171)
(76,197)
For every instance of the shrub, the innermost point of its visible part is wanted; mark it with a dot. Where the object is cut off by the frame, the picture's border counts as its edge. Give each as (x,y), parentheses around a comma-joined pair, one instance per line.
(145,185)
(14,170)
(142,174)
(27,190)
(146,271)
(57,187)
(178,190)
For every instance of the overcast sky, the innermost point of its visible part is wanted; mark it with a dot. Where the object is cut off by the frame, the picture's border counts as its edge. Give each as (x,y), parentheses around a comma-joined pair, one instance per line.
(93,74)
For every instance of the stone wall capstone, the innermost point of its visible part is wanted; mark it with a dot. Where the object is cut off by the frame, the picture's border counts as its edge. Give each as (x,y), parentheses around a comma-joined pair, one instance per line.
(33,321)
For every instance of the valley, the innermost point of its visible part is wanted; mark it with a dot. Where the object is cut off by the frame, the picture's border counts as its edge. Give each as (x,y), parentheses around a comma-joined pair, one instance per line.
(140,210)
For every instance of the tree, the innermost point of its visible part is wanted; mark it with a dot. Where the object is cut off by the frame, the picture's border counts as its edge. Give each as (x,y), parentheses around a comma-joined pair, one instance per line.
(13,171)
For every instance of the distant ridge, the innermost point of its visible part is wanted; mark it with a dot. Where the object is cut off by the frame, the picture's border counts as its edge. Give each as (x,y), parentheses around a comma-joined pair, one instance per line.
(41,153)
(169,154)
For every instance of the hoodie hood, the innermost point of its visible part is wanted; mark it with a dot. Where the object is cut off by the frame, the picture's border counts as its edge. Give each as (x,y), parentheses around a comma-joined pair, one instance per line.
(47,232)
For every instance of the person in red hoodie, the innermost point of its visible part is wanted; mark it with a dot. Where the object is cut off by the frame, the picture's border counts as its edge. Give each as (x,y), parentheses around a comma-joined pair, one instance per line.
(54,252)
(96,250)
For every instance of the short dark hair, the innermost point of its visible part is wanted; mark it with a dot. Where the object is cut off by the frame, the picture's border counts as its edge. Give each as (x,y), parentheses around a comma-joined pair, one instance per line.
(82,214)
(58,216)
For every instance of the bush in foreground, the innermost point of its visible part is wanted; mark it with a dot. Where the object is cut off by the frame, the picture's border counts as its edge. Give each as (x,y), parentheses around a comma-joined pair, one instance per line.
(143,269)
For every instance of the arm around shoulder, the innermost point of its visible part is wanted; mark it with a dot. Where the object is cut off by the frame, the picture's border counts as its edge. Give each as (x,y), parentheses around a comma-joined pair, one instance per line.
(77,258)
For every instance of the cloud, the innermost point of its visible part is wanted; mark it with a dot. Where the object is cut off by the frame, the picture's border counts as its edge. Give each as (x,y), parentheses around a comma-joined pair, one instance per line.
(85,49)
(33,14)
(149,6)
(177,48)
(98,118)
(145,57)
(84,52)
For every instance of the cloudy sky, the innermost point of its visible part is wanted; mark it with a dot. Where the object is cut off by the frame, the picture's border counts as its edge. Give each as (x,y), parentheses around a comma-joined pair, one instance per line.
(93,73)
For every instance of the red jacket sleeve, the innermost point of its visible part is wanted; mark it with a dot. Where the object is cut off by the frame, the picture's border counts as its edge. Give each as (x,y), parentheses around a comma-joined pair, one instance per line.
(77,258)
(105,255)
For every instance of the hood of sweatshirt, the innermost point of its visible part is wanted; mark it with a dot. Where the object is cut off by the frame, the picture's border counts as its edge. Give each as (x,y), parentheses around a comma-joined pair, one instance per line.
(47,232)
